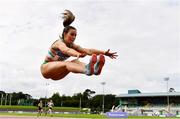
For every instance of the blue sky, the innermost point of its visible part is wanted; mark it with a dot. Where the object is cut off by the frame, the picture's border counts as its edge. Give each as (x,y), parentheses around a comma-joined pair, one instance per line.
(144,33)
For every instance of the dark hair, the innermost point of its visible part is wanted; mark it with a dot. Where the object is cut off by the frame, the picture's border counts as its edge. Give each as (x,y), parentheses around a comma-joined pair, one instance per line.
(68,19)
(66,29)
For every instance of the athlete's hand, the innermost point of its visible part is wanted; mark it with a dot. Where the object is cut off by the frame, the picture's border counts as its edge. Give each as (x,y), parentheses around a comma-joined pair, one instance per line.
(112,55)
(81,55)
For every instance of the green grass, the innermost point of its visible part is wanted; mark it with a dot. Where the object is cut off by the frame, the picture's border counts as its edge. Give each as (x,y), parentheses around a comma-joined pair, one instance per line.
(35,108)
(18,107)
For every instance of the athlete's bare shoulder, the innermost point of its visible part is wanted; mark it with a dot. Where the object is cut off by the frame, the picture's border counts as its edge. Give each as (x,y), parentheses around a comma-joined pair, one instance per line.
(58,43)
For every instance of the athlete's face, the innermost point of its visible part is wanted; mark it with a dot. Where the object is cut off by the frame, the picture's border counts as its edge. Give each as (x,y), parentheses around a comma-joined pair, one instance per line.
(70,36)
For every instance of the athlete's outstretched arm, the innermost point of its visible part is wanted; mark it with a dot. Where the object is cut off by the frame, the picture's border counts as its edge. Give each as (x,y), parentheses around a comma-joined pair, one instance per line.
(91,51)
(72,52)
(68,51)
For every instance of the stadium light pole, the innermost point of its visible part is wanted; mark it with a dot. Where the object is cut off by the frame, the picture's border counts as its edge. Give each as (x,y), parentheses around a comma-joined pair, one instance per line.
(10,99)
(6,99)
(103,83)
(80,104)
(167,80)
(46,98)
(1,99)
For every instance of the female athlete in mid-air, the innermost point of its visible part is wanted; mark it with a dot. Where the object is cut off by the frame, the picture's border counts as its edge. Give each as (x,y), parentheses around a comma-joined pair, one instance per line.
(56,66)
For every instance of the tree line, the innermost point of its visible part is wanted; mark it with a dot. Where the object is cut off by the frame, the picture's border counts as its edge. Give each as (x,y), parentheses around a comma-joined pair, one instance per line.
(87,99)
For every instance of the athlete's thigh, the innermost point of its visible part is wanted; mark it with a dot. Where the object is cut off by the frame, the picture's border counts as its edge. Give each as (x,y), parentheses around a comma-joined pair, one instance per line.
(78,62)
(54,70)
(59,75)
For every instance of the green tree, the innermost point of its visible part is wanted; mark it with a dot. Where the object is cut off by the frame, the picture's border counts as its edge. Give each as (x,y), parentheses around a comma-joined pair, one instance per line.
(96,102)
(86,97)
(56,99)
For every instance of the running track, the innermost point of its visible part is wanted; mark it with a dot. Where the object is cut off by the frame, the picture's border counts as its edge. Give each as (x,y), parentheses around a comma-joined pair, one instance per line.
(30,117)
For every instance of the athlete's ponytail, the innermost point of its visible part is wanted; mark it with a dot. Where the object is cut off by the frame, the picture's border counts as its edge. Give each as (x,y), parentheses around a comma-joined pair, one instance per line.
(68,18)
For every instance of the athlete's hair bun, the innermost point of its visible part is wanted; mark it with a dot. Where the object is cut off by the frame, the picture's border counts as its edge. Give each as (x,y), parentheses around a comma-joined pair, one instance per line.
(68,17)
